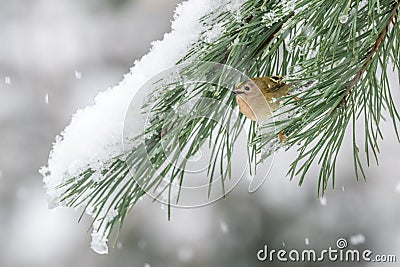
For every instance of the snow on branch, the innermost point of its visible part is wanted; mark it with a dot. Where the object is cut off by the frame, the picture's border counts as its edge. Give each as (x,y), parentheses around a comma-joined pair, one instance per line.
(94,137)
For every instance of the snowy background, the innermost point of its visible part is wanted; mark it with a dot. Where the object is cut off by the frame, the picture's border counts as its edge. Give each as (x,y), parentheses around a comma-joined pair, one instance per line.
(54,58)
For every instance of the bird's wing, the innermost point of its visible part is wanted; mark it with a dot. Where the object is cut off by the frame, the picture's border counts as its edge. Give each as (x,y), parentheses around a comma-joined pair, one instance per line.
(269,83)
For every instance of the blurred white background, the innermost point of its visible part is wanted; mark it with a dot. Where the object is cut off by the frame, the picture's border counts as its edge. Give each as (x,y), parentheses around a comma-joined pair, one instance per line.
(54,58)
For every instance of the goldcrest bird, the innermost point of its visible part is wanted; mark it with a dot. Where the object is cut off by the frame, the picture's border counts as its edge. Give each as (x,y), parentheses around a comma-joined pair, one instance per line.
(256,97)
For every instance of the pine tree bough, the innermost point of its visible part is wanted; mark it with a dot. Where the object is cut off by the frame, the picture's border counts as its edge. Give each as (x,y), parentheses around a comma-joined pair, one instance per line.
(374,49)
(336,53)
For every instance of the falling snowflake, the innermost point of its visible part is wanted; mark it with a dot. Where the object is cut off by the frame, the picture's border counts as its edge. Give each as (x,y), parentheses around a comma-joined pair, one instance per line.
(357,239)
(323,201)
(78,75)
(7,80)
(398,188)
(224,227)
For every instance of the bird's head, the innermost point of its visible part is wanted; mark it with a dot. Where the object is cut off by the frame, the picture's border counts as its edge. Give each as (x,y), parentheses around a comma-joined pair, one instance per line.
(247,88)
(257,86)
(254,96)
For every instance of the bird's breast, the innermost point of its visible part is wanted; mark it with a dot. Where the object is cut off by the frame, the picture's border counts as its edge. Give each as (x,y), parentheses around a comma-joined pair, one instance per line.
(254,108)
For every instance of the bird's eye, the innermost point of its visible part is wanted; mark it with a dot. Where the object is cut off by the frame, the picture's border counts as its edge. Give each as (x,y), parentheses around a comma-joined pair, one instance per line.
(247,88)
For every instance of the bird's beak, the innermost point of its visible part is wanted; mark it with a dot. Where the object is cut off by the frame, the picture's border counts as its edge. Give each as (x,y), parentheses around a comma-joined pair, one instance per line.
(237,91)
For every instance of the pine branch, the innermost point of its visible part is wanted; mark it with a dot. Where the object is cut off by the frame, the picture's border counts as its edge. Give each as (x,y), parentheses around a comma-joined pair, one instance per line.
(373,51)
(318,121)
(330,51)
